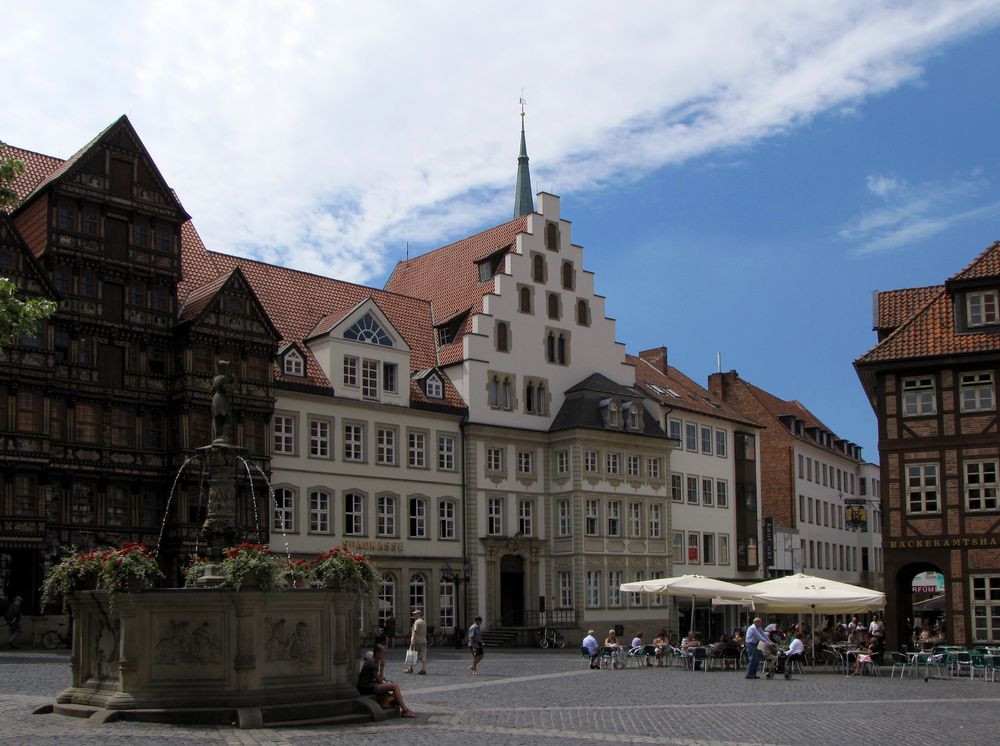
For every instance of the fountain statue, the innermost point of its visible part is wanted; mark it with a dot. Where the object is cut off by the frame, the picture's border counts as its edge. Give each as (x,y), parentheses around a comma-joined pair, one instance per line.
(212,654)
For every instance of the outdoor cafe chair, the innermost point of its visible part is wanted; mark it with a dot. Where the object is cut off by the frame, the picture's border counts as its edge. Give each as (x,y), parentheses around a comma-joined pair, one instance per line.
(609,656)
(585,657)
(699,655)
(962,663)
(900,662)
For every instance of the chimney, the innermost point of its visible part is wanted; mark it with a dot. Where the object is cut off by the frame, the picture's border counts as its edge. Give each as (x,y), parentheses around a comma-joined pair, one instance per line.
(718,383)
(657,357)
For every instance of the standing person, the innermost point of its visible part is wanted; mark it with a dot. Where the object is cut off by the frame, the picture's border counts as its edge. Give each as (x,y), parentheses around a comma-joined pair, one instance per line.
(390,630)
(13,617)
(370,680)
(877,631)
(593,647)
(418,641)
(476,644)
(754,636)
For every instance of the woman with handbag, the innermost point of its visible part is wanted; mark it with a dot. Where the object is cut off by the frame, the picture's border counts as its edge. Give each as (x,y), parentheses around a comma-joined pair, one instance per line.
(418,644)
(370,681)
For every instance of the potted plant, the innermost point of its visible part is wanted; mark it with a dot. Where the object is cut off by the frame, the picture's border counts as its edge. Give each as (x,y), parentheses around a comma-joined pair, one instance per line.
(295,573)
(194,569)
(77,571)
(343,570)
(251,567)
(128,568)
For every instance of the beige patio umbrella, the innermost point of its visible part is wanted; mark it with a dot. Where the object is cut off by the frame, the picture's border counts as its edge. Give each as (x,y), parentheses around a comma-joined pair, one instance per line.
(695,586)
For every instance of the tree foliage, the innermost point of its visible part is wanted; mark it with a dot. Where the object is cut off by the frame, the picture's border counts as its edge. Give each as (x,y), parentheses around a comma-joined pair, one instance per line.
(17,316)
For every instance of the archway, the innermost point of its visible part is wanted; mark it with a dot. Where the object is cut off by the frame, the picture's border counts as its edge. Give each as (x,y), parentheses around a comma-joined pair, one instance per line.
(907,617)
(511,590)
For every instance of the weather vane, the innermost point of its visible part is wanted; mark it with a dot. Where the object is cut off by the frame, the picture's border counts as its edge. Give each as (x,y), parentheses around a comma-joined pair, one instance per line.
(523,102)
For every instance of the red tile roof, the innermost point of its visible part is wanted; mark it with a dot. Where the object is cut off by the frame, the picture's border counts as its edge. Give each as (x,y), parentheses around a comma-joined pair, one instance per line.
(893,307)
(693,398)
(986,264)
(778,407)
(37,169)
(449,278)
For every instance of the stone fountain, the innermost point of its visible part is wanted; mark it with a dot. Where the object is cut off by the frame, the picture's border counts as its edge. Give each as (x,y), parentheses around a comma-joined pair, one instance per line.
(213,654)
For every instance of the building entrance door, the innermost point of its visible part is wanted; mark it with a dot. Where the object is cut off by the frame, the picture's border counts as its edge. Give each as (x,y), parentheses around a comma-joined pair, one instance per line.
(511,590)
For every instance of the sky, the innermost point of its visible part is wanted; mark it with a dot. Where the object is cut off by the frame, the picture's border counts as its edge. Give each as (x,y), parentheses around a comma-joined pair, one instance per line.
(741,175)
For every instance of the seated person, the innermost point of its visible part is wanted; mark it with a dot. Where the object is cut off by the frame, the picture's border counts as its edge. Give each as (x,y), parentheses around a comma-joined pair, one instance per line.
(857,637)
(720,647)
(637,641)
(370,681)
(662,649)
(738,640)
(590,643)
(611,640)
(866,657)
(689,642)
(796,649)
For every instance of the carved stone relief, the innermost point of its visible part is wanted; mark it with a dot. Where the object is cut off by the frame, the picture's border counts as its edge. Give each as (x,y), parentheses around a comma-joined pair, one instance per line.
(184,644)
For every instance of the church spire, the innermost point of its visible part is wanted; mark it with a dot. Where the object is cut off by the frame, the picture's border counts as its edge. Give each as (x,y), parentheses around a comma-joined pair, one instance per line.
(523,201)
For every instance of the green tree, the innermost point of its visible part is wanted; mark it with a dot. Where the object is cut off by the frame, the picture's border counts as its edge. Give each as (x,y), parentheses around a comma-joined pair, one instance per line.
(17,316)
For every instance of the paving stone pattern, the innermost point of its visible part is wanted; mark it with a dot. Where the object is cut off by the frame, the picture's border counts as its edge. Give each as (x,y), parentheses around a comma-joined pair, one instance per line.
(541,697)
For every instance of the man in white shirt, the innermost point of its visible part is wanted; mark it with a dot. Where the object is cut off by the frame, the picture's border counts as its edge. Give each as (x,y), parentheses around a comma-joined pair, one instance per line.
(877,630)
(593,647)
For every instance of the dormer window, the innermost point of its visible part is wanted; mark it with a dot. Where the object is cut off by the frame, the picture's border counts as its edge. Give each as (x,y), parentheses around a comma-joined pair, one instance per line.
(612,412)
(447,332)
(294,364)
(635,416)
(489,266)
(367,329)
(433,387)
(981,308)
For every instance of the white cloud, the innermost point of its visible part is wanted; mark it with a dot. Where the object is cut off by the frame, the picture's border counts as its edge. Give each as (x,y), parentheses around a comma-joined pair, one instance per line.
(327,135)
(881,185)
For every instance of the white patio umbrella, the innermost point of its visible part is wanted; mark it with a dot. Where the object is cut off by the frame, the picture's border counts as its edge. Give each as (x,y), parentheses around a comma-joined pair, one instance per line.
(695,586)
(807,593)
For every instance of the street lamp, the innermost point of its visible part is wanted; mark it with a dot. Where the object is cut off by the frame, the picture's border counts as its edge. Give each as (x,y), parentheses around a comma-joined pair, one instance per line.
(450,576)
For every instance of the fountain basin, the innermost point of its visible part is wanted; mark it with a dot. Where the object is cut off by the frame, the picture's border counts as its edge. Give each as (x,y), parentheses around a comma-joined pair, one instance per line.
(215,655)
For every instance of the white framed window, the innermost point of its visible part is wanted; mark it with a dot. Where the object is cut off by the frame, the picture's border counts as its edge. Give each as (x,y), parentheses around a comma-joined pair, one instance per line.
(635,519)
(284,510)
(386,598)
(614,413)
(590,461)
(525,462)
(385,524)
(614,518)
(446,519)
(565,580)
(390,378)
(494,516)
(981,485)
(721,440)
(369,379)
(694,547)
(353,514)
(976,392)
(677,487)
(918,396)
(418,592)
(593,589)
(418,518)
(614,587)
(319,512)
(294,364)
(707,496)
(284,434)
(368,330)
(417,450)
(354,442)
(655,514)
(633,466)
(447,610)
(565,518)
(675,428)
(692,490)
(981,308)
(446,452)
(985,591)
(385,446)
(706,440)
(708,548)
(350,371)
(614,464)
(319,438)
(494,459)
(635,416)
(691,436)
(722,493)
(592,517)
(724,549)
(680,556)
(922,488)
(526,517)
(434,387)
(562,462)
(654,467)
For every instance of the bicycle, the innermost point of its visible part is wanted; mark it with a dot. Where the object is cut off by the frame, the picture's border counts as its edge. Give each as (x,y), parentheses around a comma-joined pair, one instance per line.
(550,638)
(55,637)
(437,638)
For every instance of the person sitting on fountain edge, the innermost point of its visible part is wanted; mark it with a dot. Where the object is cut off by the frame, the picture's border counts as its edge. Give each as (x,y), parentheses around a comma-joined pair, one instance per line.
(370,681)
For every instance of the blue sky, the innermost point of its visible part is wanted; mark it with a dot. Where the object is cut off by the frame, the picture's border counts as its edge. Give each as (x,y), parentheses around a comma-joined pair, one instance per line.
(741,175)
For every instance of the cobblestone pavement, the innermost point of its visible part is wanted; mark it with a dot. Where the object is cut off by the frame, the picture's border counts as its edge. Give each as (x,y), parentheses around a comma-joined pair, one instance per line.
(540,697)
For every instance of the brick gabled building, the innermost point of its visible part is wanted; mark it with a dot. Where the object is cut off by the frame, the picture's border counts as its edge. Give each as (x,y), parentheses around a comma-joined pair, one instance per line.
(931,380)
(807,475)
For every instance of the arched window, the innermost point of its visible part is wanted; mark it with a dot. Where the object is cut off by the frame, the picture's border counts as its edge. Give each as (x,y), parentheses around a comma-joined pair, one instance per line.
(446,594)
(418,592)
(385,521)
(635,416)
(284,509)
(552,236)
(386,598)
(538,268)
(614,413)
(529,398)
(367,329)
(524,300)
(582,313)
(503,343)
(553,305)
(550,347)
(418,518)
(568,275)
(561,350)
